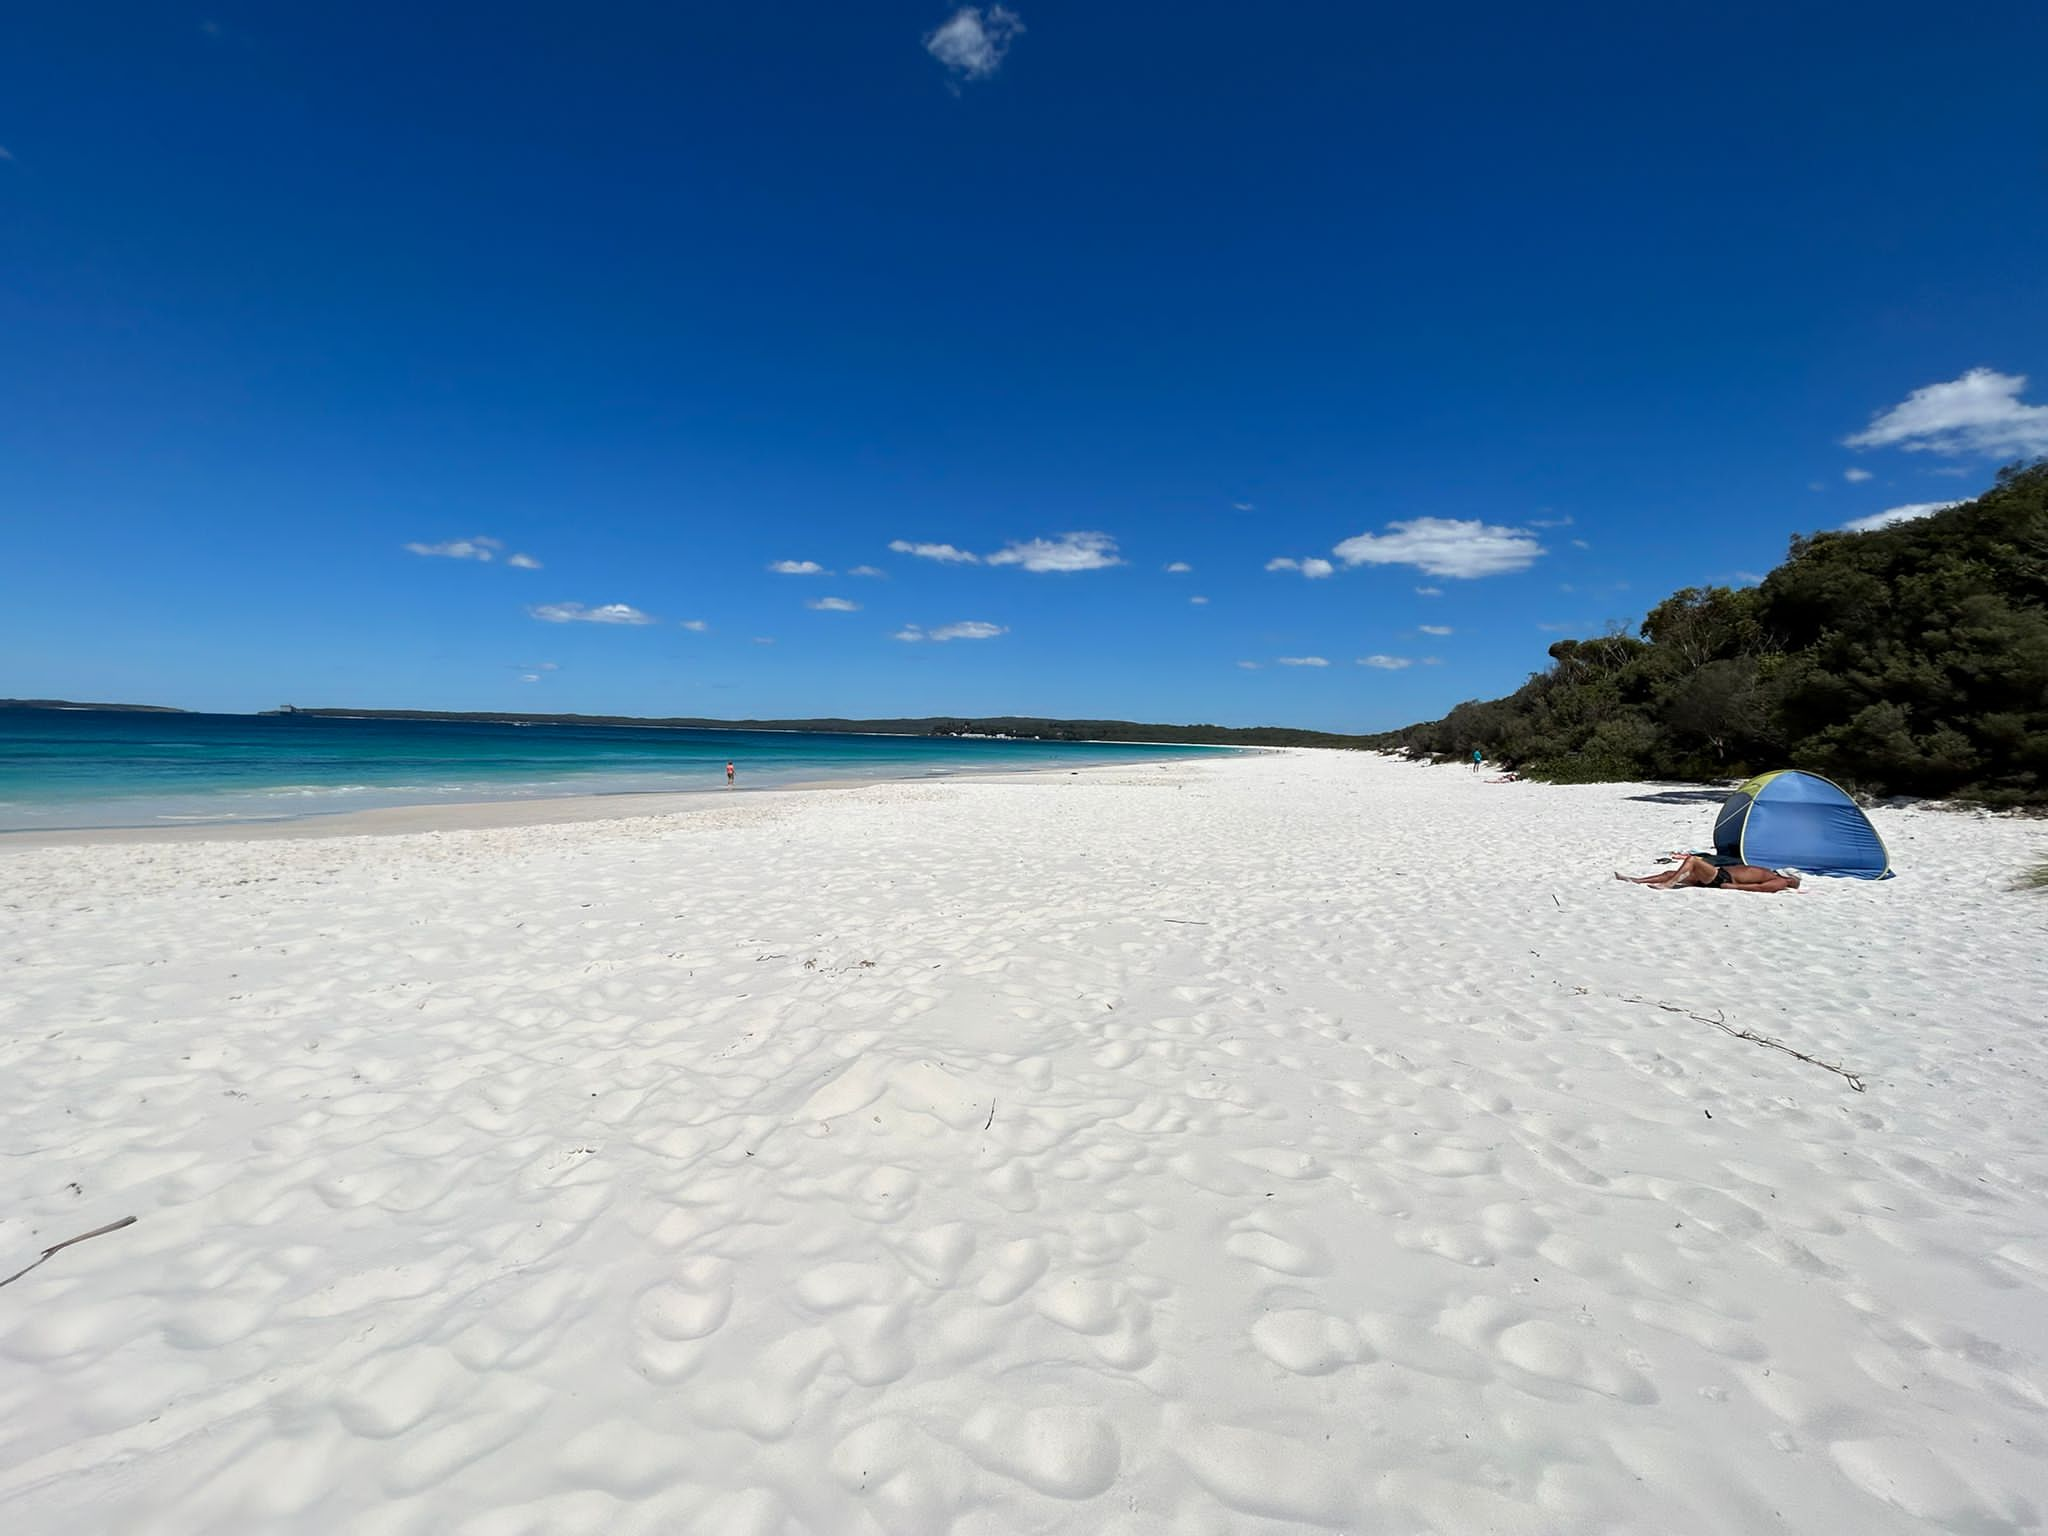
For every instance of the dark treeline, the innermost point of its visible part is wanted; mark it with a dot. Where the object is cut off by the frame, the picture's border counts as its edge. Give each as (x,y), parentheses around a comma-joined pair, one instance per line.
(1908,660)
(1024,727)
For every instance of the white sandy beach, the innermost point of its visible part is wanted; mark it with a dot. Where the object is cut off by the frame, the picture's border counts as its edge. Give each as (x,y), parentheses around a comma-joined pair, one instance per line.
(1285,1142)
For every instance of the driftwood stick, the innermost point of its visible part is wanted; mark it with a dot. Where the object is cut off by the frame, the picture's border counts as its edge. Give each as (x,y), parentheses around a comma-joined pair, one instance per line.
(1720,1022)
(112,1226)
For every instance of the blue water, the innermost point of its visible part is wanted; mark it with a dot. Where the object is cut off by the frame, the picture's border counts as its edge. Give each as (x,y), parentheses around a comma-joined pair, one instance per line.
(88,768)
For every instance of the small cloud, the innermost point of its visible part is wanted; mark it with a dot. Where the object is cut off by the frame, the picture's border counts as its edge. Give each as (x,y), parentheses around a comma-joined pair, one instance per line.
(945,554)
(1857,476)
(798,568)
(1386,663)
(6,153)
(866,570)
(973,41)
(1429,591)
(1560,629)
(478,548)
(1304,661)
(523,563)
(833,605)
(1313,568)
(1066,552)
(966,629)
(1199,601)
(1979,413)
(530,677)
(1249,666)
(1551,522)
(1911,512)
(576,613)
(764,639)
(695,626)
(1749,578)
(1580,544)
(1179,568)
(1432,661)
(1445,546)
(1242,506)
(1434,629)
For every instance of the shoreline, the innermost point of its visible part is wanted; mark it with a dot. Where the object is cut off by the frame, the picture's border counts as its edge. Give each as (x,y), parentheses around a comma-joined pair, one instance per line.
(541,810)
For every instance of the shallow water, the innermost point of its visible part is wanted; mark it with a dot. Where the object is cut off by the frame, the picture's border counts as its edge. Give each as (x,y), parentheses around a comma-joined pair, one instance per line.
(92,768)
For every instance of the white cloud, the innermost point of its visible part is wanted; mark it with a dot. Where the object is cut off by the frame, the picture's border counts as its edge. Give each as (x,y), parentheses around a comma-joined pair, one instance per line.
(798,568)
(576,613)
(945,554)
(478,548)
(1445,546)
(1429,591)
(695,626)
(833,605)
(1890,515)
(865,570)
(1067,552)
(1313,567)
(1981,412)
(1242,506)
(1179,568)
(1385,663)
(764,639)
(1198,601)
(1551,522)
(523,563)
(972,43)
(1249,666)
(1434,629)
(966,629)
(1432,661)
(1857,476)
(1304,661)
(530,677)
(1580,544)
(1749,578)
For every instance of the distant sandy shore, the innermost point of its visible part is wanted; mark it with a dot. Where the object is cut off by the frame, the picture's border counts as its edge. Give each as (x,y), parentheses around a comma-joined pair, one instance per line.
(526,811)
(1304,1141)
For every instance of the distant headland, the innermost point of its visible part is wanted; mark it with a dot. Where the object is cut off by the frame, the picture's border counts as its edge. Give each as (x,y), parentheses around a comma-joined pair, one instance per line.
(132,709)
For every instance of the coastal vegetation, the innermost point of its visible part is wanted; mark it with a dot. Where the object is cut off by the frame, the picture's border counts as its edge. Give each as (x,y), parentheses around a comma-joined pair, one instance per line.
(1015,727)
(1907,660)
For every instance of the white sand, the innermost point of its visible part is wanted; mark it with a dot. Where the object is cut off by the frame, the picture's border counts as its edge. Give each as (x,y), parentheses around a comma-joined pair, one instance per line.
(1234,1146)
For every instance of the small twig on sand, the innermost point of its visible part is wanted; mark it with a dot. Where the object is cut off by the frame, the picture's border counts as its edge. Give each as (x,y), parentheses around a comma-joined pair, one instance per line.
(991,1120)
(1188,922)
(112,1226)
(1720,1022)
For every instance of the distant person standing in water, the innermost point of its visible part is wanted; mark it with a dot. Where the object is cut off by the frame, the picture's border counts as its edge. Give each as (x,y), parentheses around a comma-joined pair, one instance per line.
(728,775)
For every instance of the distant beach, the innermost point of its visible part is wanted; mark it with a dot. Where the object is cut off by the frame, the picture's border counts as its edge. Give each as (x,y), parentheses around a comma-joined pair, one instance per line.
(68,768)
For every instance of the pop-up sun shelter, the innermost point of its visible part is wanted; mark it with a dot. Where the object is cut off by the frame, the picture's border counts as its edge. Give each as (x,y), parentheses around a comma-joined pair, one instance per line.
(1794,820)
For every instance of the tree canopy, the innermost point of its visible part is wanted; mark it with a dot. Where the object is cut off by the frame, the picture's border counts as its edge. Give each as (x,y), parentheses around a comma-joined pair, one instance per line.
(1911,659)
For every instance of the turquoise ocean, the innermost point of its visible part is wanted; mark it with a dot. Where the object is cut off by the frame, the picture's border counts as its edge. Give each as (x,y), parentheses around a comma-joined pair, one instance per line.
(98,768)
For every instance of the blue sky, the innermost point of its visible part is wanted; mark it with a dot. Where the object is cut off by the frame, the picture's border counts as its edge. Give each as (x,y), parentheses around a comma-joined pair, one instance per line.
(1499,322)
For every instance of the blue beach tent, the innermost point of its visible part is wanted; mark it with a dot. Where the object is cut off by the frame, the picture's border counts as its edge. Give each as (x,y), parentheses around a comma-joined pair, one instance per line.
(1794,820)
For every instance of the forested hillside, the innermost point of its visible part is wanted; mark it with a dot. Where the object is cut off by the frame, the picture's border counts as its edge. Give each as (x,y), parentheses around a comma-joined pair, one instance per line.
(1908,660)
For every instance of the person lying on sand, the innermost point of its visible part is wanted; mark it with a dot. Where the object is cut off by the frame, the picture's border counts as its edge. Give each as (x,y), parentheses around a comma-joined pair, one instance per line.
(1695,870)
(1506,778)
